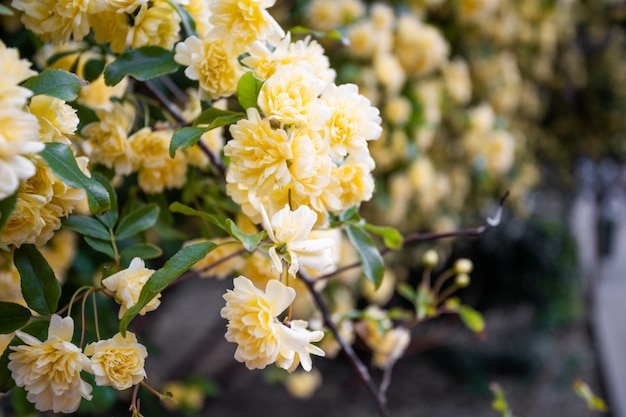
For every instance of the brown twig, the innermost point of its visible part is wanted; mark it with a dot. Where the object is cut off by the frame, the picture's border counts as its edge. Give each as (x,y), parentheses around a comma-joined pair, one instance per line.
(358,366)
(175,113)
(490,222)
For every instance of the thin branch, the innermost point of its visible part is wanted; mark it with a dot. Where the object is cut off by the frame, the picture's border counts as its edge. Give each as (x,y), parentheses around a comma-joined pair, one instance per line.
(175,113)
(213,158)
(165,102)
(385,382)
(354,360)
(490,223)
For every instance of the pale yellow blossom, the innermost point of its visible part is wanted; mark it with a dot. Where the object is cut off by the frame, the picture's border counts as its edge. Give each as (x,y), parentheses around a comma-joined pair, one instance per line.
(50,370)
(262,339)
(19,130)
(156,170)
(107,139)
(127,285)
(246,20)
(327,15)
(55,20)
(201,15)
(457,80)
(303,384)
(118,362)
(391,347)
(353,121)
(290,96)
(355,182)
(57,119)
(389,71)
(157,23)
(259,154)
(14,69)
(42,201)
(290,231)
(111,28)
(264,60)
(212,61)
(420,47)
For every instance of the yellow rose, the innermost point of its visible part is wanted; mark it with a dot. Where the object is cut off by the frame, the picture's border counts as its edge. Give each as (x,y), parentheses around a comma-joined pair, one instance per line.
(127,285)
(118,362)
(54,383)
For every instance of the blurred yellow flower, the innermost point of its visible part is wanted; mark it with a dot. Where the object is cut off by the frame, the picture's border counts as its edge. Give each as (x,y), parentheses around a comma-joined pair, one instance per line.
(57,119)
(127,285)
(118,362)
(156,170)
(420,47)
(50,370)
(157,23)
(303,384)
(107,139)
(112,28)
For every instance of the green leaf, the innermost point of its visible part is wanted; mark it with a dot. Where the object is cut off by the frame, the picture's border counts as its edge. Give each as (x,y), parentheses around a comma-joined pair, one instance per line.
(391,237)
(6,208)
(87,226)
(335,34)
(20,403)
(93,68)
(158,281)
(109,218)
(350,215)
(142,63)
(472,319)
(40,288)
(406,291)
(214,117)
(248,89)
(185,137)
(13,317)
(137,221)
(60,159)
(424,302)
(371,259)
(398,313)
(4,10)
(188,23)
(250,242)
(38,329)
(141,250)
(55,82)
(102,246)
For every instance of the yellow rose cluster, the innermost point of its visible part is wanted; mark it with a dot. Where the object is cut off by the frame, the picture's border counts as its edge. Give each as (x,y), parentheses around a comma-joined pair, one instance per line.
(42,198)
(50,370)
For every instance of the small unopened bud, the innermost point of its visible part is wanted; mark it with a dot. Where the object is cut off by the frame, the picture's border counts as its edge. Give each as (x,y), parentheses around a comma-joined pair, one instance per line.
(462,280)
(430,258)
(463,266)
